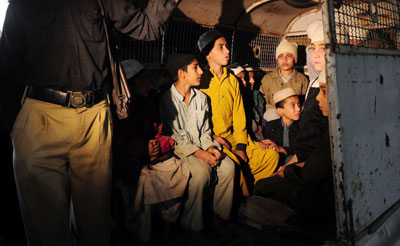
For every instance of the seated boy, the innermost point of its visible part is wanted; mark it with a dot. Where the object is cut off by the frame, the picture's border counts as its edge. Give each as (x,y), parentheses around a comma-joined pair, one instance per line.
(253,119)
(312,124)
(259,100)
(144,164)
(306,188)
(184,110)
(280,134)
(283,77)
(228,115)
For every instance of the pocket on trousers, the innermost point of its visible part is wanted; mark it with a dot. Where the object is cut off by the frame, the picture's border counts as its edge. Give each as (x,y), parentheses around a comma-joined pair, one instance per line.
(29,119)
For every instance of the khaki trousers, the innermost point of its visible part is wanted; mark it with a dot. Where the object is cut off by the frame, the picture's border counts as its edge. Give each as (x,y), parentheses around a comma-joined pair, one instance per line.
(199,186)
(62,166)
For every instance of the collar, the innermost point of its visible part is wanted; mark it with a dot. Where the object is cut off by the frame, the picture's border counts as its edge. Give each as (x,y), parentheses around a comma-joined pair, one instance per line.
(283,78)
(286,127)
(224,74)
(315,83)
(178,95)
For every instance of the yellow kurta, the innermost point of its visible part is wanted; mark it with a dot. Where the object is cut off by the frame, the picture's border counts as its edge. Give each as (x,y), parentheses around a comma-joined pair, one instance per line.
(229,121)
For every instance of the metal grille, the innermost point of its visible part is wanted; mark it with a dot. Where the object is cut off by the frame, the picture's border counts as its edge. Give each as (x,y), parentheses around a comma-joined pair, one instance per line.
(182,37)
(302,41)
(146,52)
(368,23)
(256,50)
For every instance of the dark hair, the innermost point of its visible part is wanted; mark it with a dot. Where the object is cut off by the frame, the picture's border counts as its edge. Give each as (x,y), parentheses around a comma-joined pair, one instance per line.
(208,48)
(280,103)
(174,79)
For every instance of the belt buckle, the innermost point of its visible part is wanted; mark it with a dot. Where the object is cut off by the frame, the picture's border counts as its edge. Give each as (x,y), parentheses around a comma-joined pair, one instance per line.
(77,99)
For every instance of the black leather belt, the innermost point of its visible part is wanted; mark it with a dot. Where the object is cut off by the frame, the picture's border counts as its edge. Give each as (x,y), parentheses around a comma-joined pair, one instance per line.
(70,99)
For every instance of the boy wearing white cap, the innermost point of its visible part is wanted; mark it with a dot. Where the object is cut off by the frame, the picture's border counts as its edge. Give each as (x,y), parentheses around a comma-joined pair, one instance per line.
(312,124)
(280,134)
(311,71)
(283,77)
(253,118)
(304,191)
(259,100)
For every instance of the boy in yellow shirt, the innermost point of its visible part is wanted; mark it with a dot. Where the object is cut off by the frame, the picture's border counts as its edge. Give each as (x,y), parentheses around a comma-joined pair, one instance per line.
(228,115)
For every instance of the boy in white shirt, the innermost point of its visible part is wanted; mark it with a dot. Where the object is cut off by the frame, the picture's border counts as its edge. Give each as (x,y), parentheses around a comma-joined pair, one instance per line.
(185,111)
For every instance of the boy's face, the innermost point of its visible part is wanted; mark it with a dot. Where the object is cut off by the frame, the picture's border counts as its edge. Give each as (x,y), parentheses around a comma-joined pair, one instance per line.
(291,108)
(251,80)
(318,55)
(219,53)
(241,76)
(193,73)
(322,99)
(286,61)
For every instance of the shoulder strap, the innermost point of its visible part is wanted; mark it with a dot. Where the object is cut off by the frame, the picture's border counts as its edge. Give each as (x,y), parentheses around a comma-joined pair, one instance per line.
(121,94)
(112,62)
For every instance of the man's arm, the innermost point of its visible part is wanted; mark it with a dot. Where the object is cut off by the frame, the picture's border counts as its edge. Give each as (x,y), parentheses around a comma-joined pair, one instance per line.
(12,54)
(140,24)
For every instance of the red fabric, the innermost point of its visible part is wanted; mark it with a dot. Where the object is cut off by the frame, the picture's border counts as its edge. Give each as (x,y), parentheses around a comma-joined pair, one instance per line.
(166,142)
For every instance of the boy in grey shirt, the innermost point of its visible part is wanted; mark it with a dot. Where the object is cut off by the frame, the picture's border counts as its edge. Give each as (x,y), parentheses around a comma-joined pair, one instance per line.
(184,111)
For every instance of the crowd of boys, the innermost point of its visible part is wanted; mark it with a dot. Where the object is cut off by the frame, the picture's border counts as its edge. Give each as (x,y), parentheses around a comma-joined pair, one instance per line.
(206,113)
(213,136)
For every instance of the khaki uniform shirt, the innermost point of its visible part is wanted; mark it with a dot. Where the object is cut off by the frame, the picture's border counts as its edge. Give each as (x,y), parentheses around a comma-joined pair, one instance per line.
(272,82)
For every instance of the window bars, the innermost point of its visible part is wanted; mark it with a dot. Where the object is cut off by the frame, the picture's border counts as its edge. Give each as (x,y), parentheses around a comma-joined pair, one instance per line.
(255,49)
(367,23)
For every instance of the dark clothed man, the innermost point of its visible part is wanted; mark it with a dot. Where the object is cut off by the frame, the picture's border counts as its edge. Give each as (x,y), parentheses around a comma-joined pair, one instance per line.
(62,134)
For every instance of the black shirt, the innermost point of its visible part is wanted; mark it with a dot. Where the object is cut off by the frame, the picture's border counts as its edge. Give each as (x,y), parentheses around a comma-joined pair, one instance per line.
(312,126)
(274,131)
(61,44)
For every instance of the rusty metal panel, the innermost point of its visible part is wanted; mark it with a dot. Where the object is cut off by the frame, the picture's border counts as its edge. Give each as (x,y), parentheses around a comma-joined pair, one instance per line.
(369,130)
(363,91)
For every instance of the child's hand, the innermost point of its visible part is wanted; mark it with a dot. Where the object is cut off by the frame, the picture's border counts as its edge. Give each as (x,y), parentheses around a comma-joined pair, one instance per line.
(215,152)
(222,141)
(269,144)
(242,155)
(154,149)
(207,157)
